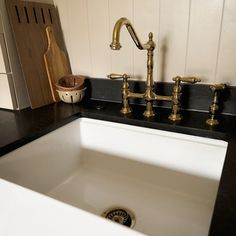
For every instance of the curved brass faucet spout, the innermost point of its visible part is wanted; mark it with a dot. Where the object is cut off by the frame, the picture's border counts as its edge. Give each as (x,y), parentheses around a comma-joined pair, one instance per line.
(149,95)
(115,44)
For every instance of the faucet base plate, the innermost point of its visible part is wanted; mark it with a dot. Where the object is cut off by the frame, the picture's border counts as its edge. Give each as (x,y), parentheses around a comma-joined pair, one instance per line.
(126,110)
(149,113)
(175,117)
(212,122)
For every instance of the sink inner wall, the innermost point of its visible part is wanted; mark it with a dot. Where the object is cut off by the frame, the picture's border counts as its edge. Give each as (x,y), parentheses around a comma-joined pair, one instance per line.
(163,200)
(168,180)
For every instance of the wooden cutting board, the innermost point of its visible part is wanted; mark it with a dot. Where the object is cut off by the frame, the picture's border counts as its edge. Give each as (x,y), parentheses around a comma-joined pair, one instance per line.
(56,62)
(29,21)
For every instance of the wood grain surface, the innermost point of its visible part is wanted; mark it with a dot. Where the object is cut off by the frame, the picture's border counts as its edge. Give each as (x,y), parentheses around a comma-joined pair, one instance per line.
(29,21)
(56,62)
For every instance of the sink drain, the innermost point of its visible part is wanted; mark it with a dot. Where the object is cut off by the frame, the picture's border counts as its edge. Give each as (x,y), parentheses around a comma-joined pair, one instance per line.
(120,215)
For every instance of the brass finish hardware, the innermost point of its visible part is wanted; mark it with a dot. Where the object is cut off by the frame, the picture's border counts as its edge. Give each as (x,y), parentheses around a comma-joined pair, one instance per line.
(118,76)
(176,94)
(191,80)
(115,45)
(149,96)
(126,109)
(214,106)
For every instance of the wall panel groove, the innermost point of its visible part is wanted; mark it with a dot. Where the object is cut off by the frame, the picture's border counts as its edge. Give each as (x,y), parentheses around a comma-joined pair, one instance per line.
(172,39)
(89,35)
(145,21)
(98,24)
(187,40)
(219,41)
(226,69)
(203,38)
(193,37)
(122,59)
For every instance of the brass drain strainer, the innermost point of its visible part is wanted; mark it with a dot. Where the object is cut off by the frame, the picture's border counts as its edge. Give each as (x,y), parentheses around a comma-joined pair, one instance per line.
(120,215)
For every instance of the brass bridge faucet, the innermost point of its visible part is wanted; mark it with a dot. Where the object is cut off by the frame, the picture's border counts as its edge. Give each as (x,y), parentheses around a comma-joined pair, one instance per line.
(149,96)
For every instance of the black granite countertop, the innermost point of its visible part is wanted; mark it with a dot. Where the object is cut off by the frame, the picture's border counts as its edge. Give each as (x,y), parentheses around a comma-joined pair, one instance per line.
(20,127)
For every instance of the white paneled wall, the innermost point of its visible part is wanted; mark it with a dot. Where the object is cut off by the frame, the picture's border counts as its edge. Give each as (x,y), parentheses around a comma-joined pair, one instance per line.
(172,40)
(122,60)
(145,20)
(193,37)
(100,58)
(226,67)
(203,38)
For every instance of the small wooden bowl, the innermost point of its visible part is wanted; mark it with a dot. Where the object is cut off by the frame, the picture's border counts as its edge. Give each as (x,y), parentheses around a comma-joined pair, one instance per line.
(70,83)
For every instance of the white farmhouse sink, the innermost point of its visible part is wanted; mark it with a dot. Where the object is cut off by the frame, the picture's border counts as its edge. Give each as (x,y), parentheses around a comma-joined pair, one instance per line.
(168,180)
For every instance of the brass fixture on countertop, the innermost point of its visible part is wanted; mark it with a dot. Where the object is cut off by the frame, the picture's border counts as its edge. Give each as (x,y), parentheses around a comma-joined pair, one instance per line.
(149,95)
(214,107)
(176,94)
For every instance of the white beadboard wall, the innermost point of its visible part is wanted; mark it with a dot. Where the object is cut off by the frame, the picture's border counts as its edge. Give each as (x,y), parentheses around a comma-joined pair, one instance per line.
(193,37)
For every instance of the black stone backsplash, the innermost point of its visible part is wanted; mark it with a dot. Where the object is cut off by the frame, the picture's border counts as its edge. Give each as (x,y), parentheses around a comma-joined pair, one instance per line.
(194,97)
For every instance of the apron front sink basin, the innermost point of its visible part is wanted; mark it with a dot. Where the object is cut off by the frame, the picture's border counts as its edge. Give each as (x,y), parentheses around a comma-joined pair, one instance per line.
(169,181)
